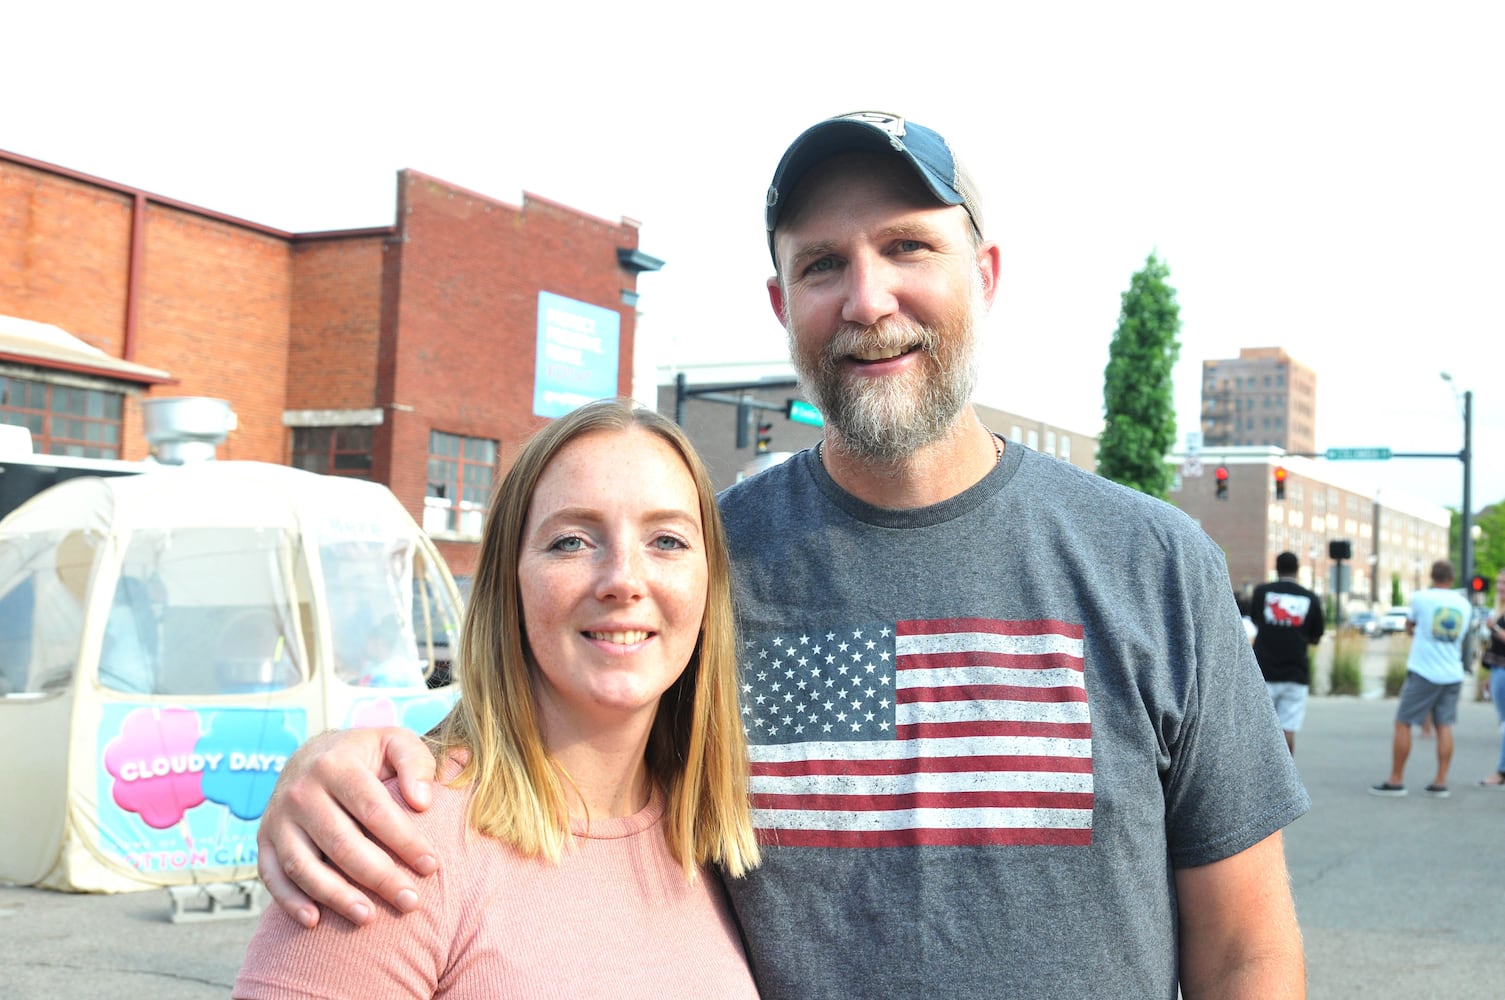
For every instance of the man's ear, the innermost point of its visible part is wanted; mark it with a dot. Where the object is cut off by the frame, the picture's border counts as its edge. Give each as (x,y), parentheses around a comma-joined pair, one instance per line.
(776,297)
(989,267)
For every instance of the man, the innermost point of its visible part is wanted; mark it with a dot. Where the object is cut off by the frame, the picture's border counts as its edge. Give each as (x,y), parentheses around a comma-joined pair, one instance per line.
(991,698)
(1288,619)
(1437,622)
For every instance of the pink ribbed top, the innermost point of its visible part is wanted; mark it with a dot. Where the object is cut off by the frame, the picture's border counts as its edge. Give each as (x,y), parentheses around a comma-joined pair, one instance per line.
(616,918)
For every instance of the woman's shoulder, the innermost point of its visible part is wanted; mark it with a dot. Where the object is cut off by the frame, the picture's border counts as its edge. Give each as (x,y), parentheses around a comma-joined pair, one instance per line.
(449,802)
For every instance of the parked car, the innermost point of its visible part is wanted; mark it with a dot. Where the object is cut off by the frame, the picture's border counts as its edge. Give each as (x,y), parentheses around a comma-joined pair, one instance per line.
(1365,623)
(1394,620)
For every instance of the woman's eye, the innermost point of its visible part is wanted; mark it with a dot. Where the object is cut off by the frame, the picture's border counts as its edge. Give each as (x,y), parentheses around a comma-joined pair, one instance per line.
(569,543)
(669,543)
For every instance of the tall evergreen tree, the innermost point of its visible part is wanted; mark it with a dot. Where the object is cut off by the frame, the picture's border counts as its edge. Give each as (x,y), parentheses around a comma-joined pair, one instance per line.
(1138,404)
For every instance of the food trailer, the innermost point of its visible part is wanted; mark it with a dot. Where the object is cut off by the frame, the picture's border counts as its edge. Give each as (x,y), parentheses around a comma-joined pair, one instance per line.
(167,639)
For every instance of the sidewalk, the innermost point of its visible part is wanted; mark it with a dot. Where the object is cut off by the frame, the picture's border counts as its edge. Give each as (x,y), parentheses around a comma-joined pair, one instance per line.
(1398,898)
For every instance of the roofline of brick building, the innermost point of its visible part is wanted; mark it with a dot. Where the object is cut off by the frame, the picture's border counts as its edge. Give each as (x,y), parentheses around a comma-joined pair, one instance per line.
(183,206)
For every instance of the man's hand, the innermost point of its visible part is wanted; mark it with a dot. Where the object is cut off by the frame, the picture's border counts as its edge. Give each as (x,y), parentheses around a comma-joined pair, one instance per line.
(330,799)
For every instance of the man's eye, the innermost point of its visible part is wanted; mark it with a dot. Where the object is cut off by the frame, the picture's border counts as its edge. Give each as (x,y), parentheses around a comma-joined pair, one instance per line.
(910,246)
(821,266)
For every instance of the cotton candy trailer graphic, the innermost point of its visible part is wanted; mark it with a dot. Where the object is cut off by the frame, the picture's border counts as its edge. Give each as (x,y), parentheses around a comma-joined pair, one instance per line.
(164,765)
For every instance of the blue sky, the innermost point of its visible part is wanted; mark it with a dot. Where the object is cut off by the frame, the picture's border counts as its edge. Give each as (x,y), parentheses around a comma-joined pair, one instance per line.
(1321,176)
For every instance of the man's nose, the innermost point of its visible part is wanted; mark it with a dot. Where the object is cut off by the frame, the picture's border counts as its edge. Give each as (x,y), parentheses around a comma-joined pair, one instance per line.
(870,291)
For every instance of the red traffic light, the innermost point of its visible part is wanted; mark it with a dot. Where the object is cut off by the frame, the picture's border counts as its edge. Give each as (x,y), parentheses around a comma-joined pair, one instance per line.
(1280,474)
(1280,482)
(1478,585)
(1221,474)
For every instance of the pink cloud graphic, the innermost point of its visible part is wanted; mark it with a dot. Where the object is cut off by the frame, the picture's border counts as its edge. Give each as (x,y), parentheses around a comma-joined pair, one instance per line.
(157,773)
(373,712)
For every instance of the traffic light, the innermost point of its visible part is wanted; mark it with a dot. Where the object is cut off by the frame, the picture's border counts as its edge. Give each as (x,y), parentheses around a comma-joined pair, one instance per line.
(1221,475)
(1478,585)
(1280,482)
(765,437)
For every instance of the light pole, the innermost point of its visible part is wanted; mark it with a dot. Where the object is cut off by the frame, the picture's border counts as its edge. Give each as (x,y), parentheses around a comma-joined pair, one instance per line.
(1465,535)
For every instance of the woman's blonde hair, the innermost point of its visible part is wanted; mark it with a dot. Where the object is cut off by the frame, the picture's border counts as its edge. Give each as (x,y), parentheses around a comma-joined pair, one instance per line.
(697,753)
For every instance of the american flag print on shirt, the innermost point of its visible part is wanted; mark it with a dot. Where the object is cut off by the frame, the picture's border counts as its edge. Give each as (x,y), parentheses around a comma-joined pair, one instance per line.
(951,732)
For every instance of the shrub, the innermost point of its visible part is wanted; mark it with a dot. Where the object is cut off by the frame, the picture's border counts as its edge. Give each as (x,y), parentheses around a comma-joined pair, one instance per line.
(1395,675)
(1346,676)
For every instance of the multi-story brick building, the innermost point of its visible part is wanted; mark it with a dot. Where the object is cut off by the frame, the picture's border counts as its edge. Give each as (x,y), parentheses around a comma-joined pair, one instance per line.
(1261,398)
(418,354)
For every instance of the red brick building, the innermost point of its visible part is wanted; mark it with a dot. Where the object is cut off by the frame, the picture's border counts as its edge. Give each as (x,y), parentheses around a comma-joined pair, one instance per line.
(408,354)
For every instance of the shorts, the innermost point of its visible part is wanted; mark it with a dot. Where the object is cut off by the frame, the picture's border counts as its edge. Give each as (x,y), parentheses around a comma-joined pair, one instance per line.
(1419,698)
(1290,703)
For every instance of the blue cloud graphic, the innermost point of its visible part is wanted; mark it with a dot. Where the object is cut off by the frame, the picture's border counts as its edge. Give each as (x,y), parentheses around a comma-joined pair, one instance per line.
(247,748)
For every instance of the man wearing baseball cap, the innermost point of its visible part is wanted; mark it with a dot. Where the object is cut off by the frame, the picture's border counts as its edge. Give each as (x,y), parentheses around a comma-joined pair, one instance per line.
(1008,738)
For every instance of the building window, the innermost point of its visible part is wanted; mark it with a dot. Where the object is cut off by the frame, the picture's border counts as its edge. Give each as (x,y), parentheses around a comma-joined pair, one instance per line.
(461,470)
(333,451)
(1064,451)
(1033,441)
(1050,442)
(63,419)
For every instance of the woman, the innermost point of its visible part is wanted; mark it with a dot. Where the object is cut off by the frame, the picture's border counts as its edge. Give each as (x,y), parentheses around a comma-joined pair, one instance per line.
(1494,659)
(594,764)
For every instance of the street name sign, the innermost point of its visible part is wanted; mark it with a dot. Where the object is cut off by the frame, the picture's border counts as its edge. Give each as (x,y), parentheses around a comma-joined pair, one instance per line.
(802,412)
(1357,454)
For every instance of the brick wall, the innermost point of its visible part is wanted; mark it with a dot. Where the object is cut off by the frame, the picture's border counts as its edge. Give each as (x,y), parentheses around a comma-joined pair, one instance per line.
(215,311)
(64,254)
(433,322)
(336,322)
(458,344)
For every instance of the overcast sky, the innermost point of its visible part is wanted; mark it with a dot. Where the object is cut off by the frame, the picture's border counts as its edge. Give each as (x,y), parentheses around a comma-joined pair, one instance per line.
(1327,177)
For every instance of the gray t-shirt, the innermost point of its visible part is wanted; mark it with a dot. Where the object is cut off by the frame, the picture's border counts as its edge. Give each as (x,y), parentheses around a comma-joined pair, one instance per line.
(984,733)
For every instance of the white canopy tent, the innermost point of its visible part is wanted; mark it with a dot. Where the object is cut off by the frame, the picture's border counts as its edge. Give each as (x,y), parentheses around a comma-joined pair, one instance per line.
(166,641)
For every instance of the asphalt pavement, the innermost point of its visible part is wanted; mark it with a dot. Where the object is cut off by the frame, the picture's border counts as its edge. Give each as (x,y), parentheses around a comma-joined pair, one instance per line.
(1398,898)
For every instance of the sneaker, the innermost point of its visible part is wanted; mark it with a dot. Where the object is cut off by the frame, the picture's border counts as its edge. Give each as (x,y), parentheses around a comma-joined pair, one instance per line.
(1385,788)
(1438,791)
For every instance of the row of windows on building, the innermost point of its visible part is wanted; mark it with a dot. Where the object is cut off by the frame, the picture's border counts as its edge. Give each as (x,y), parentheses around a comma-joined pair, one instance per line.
(80,422)
(458,484)
(1056,447)
(1241,382)
(63,419)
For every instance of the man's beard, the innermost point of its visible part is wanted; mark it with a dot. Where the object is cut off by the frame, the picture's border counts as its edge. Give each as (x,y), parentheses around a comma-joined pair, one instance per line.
(884,420)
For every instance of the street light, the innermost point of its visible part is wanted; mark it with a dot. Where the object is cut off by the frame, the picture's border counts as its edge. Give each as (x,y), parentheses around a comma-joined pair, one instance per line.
(1465,536)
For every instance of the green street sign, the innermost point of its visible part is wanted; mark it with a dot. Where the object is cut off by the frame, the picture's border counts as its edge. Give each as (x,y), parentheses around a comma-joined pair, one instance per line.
(1357,454)
(802,412)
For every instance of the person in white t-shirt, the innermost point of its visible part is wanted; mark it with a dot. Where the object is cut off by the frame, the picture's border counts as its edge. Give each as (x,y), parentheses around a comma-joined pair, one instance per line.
(1437,622)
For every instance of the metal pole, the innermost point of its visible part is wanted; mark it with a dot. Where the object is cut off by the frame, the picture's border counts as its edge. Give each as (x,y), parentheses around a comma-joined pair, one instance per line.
(679,399)
(1466,543)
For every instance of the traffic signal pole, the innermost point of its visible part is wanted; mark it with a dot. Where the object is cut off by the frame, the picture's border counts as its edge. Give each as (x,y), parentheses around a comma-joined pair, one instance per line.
(1466,542)
(1466,456)
(733,394)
